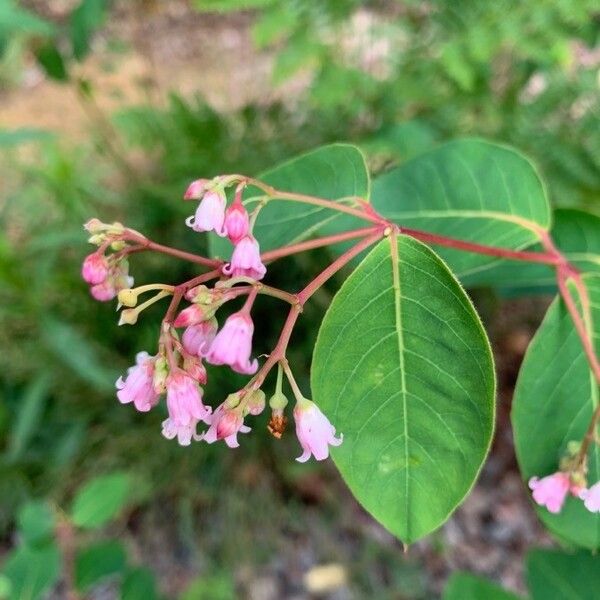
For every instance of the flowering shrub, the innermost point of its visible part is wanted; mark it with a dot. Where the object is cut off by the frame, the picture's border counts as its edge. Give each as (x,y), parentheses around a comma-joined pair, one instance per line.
(403,377)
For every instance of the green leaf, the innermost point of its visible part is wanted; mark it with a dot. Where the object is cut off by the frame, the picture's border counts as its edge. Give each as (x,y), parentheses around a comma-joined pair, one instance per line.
(23,135)
(331,172)
(553,403)
(97,562)
(85,19)
(29,414)
(101,500)
(553,575)
(218,586)
(14,19)
(230,5)
(52,62)
(575,232)
(403,368)
(464,586)
(469,189)
(36,522)
(32,571)
(139,583)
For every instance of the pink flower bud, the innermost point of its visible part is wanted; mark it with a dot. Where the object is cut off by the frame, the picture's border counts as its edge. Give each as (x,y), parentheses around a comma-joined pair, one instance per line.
(591,498)
(184,404)
(550,491)
(138,386)
(192,315)
(233,345)
(105,291)
(315,432)
(226,423)
(197,338)
(195,369)
(95,268)
(196,189)
(237,222)
(210,214)
(245,260)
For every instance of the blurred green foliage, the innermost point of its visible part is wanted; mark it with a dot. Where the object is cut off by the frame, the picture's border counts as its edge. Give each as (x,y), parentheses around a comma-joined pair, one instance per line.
(396,77)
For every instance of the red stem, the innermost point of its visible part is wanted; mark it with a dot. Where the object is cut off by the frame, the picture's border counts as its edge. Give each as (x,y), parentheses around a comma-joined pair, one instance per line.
(316,243)
(547,258)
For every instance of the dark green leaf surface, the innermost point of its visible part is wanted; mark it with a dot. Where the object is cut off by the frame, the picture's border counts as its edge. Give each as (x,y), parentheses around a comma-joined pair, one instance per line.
(138,584)
(403,369)
(331,172)
(553,403)
(553,575)
(96,562)
(101,499)
(36,522)
(468,189)
(464,586)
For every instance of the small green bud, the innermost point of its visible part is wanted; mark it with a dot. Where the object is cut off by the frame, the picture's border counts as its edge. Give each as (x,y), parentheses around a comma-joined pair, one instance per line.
(255,402)
(161,371)
(232,400)
(278,401)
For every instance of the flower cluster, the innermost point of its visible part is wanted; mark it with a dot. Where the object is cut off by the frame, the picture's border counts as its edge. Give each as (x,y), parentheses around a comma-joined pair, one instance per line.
(192,338)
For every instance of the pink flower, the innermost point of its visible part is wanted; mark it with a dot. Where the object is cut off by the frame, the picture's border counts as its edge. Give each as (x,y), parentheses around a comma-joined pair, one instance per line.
(196,339)
(210,214)
(237,222)
(95,268)
(196,189)
(138,386)
(225,425)
(191,315)
(117,279)
(245,260)
(591,498)
(551,491)
(104,292)
(233,345)
(195,369)
(184,403)
(315,432)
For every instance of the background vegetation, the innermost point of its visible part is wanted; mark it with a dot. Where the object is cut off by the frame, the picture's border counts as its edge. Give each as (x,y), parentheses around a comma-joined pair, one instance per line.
(256,86)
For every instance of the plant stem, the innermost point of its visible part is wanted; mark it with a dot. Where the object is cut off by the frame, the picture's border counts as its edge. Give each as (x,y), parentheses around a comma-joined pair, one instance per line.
(316,243)
(547,258)
(147,244)
(337,264)
(333,205)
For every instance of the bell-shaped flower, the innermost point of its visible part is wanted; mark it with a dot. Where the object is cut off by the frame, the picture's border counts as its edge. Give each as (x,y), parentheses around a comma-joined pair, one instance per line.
(226,423)
(138,387)
(551,491)
(196,189)
(210,214)
(196,339)
(233,345)
(237,222)
(95,268)
(315,432)
(245,260)
(185,407)
(591,498)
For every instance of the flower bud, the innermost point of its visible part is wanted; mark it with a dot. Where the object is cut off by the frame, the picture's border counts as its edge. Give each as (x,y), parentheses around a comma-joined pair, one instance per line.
(129,316)
(161,371)
(237,222)
(255,402)
(278,401)
(196,189)
(95,268)
(195,369)
(127,297)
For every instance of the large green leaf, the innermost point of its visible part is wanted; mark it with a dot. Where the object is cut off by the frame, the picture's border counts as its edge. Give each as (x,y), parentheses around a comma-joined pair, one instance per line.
(554,400)
(97,562)
(553,575)
(403,369)
(468,189)
(464,586)
(333,172)
(575,232)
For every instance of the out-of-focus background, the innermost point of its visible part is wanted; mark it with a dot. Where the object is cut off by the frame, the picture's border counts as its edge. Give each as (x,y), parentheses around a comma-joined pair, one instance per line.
(110,109)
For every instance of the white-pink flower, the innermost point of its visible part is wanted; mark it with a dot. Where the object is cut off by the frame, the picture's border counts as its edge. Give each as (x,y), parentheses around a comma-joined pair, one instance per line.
(196,189)
(95,268)
(138,386)
(185,407)
(226,423)
(237,222)
(591,498)
(245,260)
(233,345)
(196,339)
(210,214)
(315,432)
(551,491)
